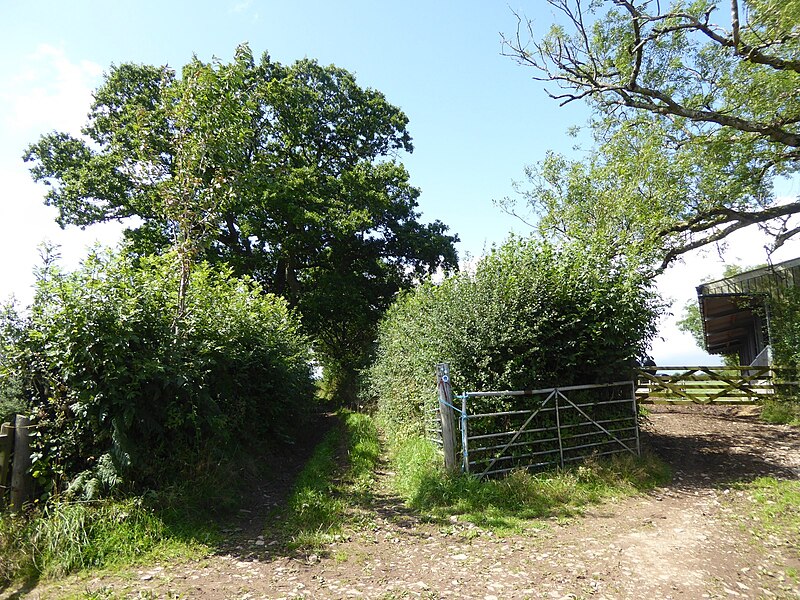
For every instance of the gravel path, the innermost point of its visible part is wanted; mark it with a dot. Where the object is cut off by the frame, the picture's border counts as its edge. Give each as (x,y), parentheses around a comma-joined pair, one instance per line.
(681,541)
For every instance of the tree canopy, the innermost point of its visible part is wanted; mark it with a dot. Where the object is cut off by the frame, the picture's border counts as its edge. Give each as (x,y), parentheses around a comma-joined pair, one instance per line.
(694,115)
(288,173)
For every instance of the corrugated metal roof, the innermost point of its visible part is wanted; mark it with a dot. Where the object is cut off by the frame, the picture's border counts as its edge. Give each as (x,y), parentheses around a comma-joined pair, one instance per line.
(785,274)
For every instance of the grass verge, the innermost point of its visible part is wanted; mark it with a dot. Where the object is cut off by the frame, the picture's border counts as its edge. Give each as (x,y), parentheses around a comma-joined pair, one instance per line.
(66,537)
(338,476)
(781,412)
(774,510)
(509,504)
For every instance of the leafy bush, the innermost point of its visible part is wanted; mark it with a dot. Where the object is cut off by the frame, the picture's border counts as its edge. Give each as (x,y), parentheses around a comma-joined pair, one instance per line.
(120,391)
(785,326)
(785,411)
(531,316)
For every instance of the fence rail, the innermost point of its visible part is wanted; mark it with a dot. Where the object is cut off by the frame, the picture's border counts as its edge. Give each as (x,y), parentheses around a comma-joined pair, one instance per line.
(544,428)
(712,385)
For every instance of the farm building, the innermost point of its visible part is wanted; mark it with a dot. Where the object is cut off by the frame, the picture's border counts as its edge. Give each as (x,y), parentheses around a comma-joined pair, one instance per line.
(735,310)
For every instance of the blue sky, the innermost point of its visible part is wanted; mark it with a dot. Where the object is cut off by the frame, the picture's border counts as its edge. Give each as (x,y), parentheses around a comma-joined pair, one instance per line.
(476,117)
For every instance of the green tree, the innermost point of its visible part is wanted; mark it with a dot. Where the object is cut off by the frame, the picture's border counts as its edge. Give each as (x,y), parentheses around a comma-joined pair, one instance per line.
(694,115)
(691,322)
(288,173)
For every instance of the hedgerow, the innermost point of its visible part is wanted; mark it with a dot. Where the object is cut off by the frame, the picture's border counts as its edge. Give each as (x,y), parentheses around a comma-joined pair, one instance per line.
(123,395)
(531,316)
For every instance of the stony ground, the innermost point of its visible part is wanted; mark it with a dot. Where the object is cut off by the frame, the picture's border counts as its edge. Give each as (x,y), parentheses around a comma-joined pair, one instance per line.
(690,539)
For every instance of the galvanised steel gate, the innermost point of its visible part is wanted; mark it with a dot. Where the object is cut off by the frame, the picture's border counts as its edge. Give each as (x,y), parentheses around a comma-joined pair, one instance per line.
(541,429)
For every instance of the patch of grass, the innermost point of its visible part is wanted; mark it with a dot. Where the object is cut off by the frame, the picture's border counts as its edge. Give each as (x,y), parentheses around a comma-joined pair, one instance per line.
(781,412)
(339,475)
(66,537)
(775,508)
(509,504)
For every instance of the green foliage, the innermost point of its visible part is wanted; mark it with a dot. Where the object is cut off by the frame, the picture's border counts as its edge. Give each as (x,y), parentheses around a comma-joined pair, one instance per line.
(63,538)
(693,121)
(338,475)
(532,316)
(119,396)
(288,173)
(12,401)
(785,326)
(507,505)
(785,411)
(691,322)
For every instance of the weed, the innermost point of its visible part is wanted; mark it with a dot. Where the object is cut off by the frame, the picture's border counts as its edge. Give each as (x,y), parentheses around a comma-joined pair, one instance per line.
(775,506)
(102,593)
(65,537)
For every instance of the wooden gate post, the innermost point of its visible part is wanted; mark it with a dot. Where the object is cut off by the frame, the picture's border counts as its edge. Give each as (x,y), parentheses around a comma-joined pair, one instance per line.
(448,415)
(6,445)
(21,480)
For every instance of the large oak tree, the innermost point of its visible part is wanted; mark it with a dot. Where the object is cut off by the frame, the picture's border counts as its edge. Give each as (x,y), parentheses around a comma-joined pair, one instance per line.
(288,173)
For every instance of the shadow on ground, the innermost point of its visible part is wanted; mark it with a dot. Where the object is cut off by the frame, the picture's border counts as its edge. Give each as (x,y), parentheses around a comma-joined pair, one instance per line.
(710,446)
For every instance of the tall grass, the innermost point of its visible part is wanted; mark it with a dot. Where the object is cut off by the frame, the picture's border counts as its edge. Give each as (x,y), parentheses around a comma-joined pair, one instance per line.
(66,537)
(781,412)
(506,504)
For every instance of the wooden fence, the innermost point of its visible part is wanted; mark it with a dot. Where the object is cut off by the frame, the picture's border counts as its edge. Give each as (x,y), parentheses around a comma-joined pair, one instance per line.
(16,483)
(713,385)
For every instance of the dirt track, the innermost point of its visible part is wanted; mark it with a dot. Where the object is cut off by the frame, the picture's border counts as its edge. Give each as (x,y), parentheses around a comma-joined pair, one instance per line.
(682,541)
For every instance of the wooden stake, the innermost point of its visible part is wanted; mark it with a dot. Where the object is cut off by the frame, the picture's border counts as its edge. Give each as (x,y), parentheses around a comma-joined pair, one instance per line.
(21,480)
(6,445)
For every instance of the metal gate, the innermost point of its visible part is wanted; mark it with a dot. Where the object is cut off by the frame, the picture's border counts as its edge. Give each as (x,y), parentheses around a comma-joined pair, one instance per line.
(542,429)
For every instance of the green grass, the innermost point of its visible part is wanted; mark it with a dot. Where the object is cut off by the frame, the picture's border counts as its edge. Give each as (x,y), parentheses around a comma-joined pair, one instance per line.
(338,476)
(511,504)
(781,412)
(67,537)
(774,509)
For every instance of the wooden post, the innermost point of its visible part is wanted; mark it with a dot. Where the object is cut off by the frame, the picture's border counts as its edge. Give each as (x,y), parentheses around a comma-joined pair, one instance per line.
(21,480)
(6,445)
(447,412)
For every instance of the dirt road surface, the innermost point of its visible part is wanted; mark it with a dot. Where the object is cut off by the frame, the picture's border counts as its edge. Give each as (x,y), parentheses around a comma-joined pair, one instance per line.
(690,539)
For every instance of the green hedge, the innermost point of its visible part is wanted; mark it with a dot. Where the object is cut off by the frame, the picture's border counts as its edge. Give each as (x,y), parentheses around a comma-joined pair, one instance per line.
(785,326)
(531,316)
(120,392)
